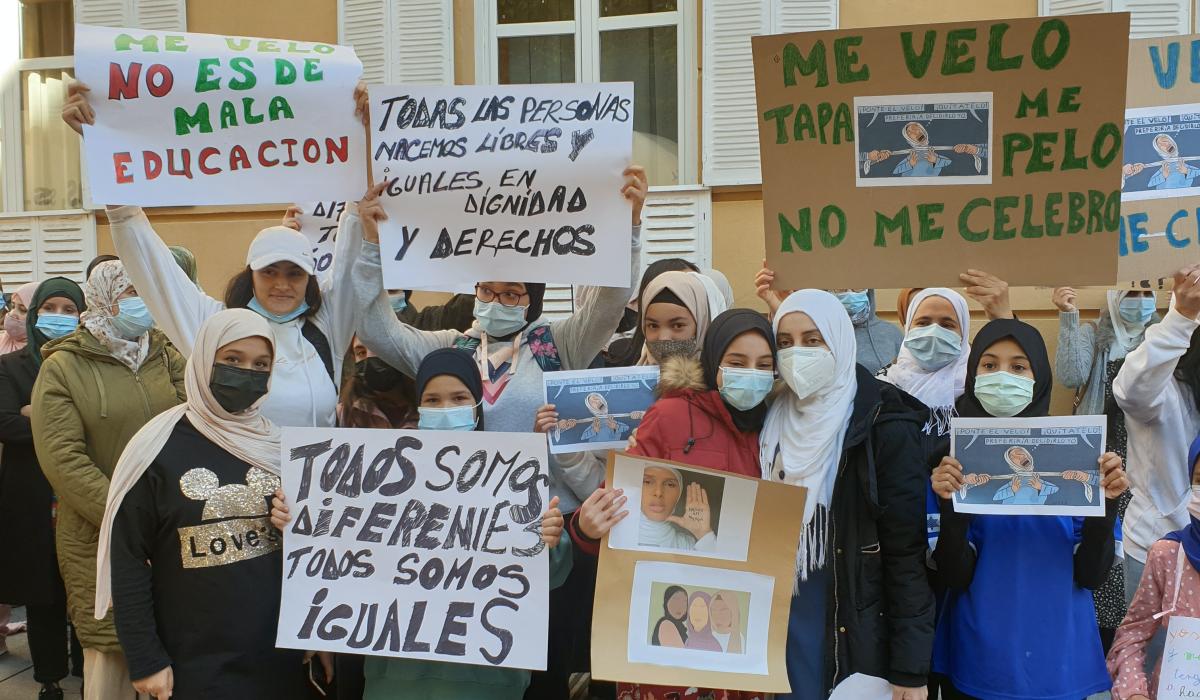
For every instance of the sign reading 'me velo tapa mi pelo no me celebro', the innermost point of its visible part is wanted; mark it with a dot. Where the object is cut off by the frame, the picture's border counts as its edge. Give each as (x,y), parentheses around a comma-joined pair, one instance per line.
(901,156)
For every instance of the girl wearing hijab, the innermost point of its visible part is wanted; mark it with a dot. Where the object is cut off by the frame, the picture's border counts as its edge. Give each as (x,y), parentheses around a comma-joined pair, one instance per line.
(625,350)
(15,334)
(1019,584)
(314,320)
(675,314)
(450,392)
(1158,389)
(862,601)
(709,415)
(377,395)
(26,501)
(1170,586)
(699,624)
(202,625)
(727,622)
(670,630)
(1089,357)
(662,524)
(97,387)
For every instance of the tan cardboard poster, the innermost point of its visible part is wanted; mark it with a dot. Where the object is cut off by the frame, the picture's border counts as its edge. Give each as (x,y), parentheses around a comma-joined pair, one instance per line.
(902,156)
(694,585)
(1160,175)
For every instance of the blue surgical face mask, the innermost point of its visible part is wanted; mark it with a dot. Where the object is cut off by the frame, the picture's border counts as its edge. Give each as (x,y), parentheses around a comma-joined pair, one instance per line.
(277,318)
(857,304)
(133,319)
(399,302)
(745,388)
(1003,394)
(498,320)
(1137,310)
(453,418)
(56,325)
(932,346)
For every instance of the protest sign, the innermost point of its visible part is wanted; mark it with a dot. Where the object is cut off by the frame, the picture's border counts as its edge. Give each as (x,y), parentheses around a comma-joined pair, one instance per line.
(1179,676)
(598,409)
(319,224)
(1160,193)
(503,182)
(902,156)
(668,613)
(416,544)
(186,118)
(1029,466)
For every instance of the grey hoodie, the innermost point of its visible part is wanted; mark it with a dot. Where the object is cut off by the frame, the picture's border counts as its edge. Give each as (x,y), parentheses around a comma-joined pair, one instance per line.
(878,341)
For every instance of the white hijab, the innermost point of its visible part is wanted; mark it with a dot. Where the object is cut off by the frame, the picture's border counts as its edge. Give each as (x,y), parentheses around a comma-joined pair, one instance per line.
(801,442)
(1126,335)
(248,436)
(940,388)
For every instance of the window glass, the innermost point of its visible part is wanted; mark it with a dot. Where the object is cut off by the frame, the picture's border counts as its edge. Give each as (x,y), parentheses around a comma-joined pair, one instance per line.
(51,158)
(614,8)
(47,28)
(537,59)
(650,59)
(519,11)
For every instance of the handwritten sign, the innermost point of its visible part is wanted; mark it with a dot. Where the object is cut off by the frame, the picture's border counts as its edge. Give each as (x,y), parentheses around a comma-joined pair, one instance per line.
(1029,466)
(1180,673)
(517,182)
(416,544)
(901,156)
(1160,177)
(185,118)
(319,224)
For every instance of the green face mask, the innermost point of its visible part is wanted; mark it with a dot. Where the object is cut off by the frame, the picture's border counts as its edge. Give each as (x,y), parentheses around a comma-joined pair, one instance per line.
(1003,394)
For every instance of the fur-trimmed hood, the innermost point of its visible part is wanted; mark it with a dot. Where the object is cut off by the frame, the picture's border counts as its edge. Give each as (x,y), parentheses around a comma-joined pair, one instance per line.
(680,374)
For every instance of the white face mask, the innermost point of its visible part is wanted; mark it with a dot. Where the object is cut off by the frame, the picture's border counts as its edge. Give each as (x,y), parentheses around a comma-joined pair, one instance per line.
(1194,503)
(806,370)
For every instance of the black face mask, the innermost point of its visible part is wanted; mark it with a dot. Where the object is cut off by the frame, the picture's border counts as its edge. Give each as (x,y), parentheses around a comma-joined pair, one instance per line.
(377,375)
(237,389)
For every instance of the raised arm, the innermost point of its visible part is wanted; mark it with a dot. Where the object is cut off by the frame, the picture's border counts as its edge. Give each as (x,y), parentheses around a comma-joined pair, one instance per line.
(1076,342)
(581,337)
(394,341)
(338,316)
(177,304)
(58,436)
(1146,381)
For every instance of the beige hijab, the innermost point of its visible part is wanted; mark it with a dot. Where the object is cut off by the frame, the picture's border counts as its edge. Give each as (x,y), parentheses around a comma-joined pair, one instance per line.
(690,289)
(247,436)
(107,282)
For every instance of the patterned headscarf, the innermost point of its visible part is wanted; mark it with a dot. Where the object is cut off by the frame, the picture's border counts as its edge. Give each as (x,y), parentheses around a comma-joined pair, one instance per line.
(107,282)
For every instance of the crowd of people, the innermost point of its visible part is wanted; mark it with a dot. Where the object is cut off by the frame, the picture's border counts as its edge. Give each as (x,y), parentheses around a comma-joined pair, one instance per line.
(135,406)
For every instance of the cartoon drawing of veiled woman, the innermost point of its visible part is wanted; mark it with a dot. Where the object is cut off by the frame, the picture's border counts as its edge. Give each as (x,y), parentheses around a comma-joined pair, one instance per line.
(727,622)
(603,427)
(699,624)
(670,630)
(1025,488)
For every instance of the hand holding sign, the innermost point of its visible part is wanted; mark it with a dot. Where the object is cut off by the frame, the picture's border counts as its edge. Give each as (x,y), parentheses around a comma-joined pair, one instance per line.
(76,110)
(989,291)
(1113,479)
(1064,299)
(948,478)
(371,212)
(1187,291)
(603,509)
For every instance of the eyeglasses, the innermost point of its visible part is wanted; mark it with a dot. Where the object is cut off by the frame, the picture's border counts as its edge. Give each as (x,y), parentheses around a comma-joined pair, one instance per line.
(487,296)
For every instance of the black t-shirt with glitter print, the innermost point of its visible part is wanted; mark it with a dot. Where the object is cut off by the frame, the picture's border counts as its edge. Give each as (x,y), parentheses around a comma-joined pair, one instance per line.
(196,569)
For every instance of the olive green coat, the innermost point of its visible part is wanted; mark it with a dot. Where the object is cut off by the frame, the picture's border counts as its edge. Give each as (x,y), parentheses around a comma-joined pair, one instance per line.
(86,407)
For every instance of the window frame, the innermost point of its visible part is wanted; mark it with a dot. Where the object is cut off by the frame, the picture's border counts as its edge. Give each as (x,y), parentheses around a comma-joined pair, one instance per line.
(586,29)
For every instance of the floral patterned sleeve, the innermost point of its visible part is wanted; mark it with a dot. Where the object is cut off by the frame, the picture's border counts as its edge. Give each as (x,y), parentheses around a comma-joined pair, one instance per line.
(1127,659)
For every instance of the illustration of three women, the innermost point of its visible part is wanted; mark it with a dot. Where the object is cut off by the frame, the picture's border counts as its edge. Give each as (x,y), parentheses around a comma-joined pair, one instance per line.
(700,621)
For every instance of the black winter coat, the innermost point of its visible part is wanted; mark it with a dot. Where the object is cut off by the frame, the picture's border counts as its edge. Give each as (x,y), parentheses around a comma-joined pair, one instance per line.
(30,564)
(881,606)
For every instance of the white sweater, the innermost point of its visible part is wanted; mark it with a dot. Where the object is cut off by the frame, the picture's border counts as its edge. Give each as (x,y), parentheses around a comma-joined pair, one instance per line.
(1162,420)
(301,392)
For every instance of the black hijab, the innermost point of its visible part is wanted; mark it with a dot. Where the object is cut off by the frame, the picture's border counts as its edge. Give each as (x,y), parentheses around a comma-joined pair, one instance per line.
(627,353)
(455,363)
(1031,342)
(48,289)
(723,330)
(679,626)
(1188,370)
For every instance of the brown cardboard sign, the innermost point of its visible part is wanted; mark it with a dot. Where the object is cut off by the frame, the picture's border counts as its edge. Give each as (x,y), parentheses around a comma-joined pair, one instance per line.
(1160,176)
(902,156)
(694,586)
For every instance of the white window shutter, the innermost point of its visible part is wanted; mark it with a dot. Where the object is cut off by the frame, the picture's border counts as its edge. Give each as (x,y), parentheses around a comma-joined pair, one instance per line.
(108,13)
(730,135)
(1049,8)
(804,15)
(37,247)
(421,42)
(362,24)
(18,264)
(161,15)
(1151,18)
